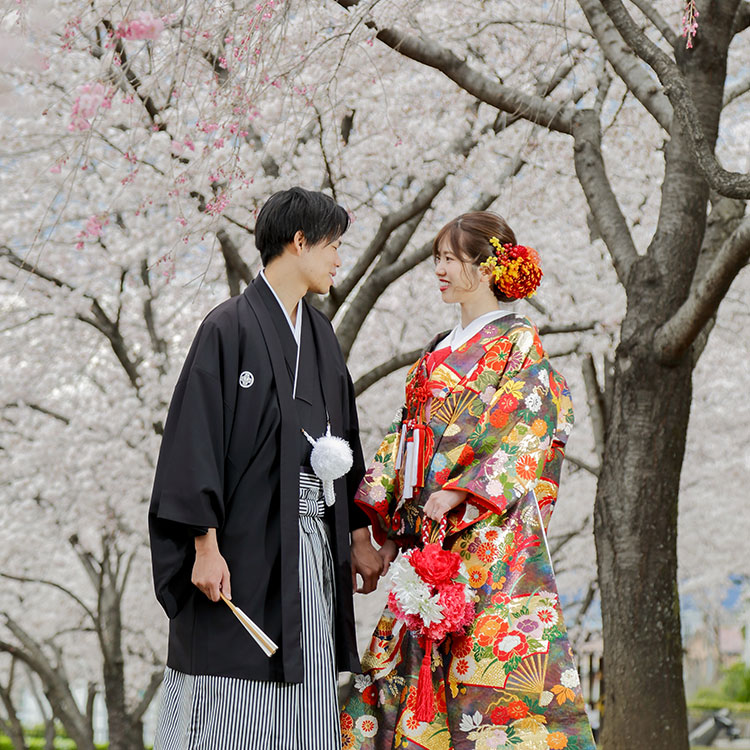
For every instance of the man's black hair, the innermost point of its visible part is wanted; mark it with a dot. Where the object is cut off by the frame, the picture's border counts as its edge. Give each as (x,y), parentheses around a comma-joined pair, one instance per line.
(284,214)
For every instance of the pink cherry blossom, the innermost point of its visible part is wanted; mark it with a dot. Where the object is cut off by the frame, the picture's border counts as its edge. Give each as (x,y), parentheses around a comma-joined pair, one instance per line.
(141,26)
(91,97)
(217,206)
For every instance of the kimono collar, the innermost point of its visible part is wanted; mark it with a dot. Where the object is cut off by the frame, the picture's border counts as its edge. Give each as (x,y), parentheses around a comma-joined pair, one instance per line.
(295,327)
(459,335)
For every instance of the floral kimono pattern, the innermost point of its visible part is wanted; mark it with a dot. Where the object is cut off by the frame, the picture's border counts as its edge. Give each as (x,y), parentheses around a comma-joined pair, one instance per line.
(500,416)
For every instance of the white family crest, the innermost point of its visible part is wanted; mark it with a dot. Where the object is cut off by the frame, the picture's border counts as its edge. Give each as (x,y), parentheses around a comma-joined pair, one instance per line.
(246,379)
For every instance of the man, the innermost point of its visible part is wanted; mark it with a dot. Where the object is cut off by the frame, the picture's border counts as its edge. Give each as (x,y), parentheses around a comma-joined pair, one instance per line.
(237,509)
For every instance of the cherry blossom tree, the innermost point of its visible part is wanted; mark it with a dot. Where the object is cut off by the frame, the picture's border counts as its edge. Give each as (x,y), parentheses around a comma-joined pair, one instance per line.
(674,280)
(141,139)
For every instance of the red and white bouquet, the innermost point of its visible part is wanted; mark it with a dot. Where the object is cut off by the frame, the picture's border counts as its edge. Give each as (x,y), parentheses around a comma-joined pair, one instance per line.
(430,594)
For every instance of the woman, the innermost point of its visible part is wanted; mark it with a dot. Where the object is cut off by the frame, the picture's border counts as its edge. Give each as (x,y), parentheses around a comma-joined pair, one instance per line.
(484,426)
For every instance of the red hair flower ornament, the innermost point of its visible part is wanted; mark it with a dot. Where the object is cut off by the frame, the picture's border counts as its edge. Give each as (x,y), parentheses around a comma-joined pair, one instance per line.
(515,269)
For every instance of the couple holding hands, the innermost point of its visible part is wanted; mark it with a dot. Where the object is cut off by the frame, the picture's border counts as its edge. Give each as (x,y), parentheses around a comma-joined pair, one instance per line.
(261,498)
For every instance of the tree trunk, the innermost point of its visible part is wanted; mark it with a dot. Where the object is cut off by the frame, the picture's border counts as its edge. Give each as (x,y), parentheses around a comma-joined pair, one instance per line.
(635,522)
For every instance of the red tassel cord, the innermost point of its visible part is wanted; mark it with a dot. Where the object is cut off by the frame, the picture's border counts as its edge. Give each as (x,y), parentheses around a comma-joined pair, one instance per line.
(425,709)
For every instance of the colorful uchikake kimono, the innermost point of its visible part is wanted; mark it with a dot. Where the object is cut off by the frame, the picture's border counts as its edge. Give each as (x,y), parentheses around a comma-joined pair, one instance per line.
(498,417)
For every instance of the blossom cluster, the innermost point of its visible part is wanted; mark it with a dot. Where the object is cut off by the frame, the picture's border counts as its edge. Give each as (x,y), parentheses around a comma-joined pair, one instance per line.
(91,97)
(690,23)
(141,26)
(430,592)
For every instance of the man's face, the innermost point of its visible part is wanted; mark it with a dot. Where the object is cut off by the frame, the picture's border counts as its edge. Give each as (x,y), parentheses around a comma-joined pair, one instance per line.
(319,265)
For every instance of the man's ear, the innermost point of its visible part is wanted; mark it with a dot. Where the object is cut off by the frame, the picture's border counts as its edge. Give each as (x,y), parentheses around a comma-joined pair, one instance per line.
(299,242)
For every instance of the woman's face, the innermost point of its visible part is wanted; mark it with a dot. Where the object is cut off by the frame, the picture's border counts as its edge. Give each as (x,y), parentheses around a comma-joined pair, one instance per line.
(457,279)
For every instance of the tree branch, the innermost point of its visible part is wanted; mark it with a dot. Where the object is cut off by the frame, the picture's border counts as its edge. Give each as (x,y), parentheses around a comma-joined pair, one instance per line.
(742,19)
(237,269)
(388,225)
(557,543)
(148,695)
(723,218)
(42,410)
(595,399)
(724,182)
(550,328)
(551,114)
(132,78)
(53,584)
(581,464)
(735,91)
(627,65)
(99,318)
(56,686)
(658,21)
(86,560)
(388,269)
(158,344)
(12,727)
(396,362)
(672,339)
(592,175)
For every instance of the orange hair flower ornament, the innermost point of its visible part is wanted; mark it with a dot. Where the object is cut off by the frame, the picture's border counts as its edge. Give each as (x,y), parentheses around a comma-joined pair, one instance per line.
(515,269)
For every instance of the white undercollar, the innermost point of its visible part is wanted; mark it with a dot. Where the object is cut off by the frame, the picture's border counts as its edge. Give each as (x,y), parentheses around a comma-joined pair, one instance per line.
(295,327)
(459,335)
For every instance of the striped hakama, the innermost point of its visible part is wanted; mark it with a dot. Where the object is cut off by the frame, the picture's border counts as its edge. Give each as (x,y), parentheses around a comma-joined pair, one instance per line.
(207,712)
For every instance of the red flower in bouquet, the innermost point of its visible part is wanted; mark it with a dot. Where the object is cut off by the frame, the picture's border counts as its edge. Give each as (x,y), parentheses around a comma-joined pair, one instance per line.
(435,565)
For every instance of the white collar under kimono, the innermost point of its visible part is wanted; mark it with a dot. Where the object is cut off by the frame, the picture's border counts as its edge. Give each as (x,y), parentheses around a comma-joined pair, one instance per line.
(459,335)
(295,327)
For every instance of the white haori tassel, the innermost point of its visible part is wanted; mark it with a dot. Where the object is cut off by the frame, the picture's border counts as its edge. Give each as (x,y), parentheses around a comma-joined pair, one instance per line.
(330,459)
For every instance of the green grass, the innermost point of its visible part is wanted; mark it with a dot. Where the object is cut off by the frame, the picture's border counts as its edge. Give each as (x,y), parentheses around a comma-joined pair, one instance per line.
(714,703)
(37,743)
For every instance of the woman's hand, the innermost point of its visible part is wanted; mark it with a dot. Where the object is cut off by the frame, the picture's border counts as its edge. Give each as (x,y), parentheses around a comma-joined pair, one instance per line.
(210,570)
(388,553)
(440,502)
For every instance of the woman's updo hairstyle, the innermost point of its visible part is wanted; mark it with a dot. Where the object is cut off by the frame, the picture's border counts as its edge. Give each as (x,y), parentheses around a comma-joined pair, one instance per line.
(468,237)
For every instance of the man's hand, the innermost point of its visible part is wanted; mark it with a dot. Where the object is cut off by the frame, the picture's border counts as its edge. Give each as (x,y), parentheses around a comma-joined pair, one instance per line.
(440,502)
(210,571)
(388,553)
(365,560)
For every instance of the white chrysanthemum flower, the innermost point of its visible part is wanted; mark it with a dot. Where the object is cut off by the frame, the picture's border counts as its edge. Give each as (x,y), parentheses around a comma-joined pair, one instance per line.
(533,402)
(548,595)
(483,532)
(430,611)
(547,616)
(495,488)
(368,725)
(545,698)
(362,681)
(569,678)
(408,587)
